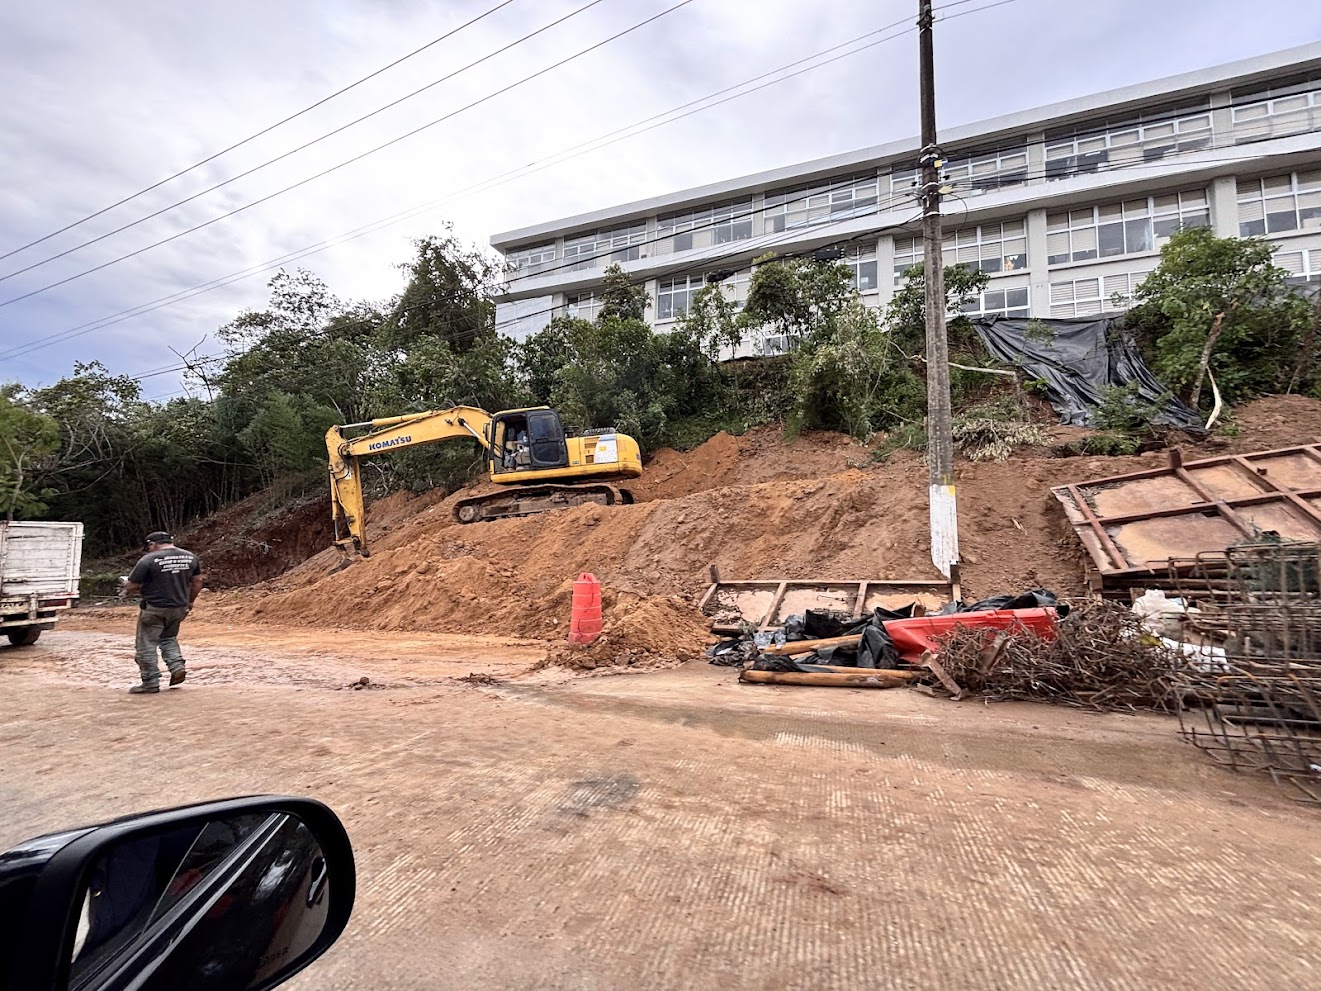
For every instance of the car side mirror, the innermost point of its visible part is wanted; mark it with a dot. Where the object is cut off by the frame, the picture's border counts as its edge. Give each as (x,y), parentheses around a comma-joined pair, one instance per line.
(237,895)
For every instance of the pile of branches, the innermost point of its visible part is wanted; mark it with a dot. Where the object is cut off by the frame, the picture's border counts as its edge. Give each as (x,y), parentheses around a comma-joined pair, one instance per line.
(1102,659)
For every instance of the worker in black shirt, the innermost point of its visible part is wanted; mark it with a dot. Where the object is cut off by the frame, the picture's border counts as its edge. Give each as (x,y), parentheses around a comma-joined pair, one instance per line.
(169,579)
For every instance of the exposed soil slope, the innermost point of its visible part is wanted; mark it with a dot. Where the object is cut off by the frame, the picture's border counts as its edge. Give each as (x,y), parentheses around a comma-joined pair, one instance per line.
(755,506)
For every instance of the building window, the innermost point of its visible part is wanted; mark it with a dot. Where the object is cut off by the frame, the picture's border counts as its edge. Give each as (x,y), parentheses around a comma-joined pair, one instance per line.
(907,253)
(529,261)
(602,248)
(1131,227)
(735,287)
(1304,267)
(1281,203)
(1088,297)
(1283,109)
(583,306)
(777,344)
(822,203)
(973,174)
(861,263)
(989,248)
(705,226)
(1146,138)
(675,296)
(1012,303)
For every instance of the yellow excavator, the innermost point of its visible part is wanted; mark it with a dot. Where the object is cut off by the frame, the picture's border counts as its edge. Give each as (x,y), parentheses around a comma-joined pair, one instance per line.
(527,450)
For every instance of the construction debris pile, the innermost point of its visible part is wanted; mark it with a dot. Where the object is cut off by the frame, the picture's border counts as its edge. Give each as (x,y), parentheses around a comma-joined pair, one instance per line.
(889,647)
(1100,657)
(1256,705)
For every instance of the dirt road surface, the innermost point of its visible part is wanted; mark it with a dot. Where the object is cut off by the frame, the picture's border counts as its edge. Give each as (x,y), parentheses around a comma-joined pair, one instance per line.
(677,830)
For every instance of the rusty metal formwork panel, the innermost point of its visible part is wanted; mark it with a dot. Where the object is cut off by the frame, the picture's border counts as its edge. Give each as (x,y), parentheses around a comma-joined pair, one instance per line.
(1256,704)
(1138,528)
(764,605)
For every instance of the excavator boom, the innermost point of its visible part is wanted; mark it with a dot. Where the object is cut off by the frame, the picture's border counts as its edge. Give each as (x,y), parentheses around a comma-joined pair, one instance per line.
(387,434)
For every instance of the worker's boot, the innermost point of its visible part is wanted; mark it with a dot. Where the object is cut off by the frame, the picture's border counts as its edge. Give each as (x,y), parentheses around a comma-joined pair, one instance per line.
(177,676)
(144,689)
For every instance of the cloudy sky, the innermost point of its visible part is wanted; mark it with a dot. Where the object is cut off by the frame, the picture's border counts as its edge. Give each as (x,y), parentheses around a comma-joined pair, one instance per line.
(105,99)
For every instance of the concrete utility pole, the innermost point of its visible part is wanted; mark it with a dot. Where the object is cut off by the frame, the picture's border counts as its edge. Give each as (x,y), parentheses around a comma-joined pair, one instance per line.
(940,442)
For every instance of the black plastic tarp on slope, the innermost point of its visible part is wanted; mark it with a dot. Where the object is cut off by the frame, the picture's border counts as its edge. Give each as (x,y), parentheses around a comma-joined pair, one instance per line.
(1077,358)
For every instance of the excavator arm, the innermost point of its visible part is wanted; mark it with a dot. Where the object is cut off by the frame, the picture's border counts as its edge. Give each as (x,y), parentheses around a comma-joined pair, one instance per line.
(388,434)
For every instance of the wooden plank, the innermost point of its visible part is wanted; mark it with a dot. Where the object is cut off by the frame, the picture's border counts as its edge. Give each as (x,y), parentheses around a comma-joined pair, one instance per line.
(1238,502)
(1236,521)
(862,600)
(775,605)
(853,669)
(1117,558)
(952,686)
(809,583)
(866,678)
(1306,450)
(809,646)
(710,593)
(1292,496)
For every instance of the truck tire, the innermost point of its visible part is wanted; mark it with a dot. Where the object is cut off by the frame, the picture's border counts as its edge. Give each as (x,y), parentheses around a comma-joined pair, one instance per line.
(23,636)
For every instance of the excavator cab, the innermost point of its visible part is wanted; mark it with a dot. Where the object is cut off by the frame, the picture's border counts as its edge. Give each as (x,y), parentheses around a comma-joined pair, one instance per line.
(528,440)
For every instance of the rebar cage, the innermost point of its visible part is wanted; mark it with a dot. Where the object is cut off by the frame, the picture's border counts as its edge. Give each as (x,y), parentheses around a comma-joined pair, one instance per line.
(1257,707)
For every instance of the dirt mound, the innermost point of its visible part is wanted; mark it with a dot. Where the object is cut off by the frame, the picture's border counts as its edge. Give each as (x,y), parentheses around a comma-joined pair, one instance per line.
(1276,421)
(516,576)
(761,455)
(640,634)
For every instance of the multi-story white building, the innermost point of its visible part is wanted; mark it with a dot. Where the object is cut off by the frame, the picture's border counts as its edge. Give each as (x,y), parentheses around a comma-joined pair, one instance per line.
(1063,207)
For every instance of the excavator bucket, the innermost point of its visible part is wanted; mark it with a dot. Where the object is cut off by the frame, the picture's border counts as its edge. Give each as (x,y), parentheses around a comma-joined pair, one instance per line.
(348,553)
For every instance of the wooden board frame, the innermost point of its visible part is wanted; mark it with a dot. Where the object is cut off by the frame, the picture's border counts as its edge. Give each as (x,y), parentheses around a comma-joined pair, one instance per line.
(859,589)
(1100,534)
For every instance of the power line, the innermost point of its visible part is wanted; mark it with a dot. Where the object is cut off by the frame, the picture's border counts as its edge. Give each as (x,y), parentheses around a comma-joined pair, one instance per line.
(258,134)
(557,158)
(764,242)
(350,161)
(223,281)
(307,144)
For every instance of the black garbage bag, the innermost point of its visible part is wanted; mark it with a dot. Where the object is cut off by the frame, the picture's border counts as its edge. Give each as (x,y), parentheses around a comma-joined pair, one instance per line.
(822,624)
(795,628)
(1037,598)
(732,653)
(825,624)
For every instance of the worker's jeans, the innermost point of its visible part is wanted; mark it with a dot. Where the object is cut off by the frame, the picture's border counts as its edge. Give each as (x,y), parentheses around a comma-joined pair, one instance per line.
(158,629)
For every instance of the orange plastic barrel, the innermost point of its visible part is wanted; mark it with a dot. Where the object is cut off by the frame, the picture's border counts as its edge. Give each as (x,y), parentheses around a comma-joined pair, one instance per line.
(585,622)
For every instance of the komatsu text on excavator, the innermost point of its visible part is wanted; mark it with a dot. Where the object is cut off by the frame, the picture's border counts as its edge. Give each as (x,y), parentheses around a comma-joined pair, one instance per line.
(526,450)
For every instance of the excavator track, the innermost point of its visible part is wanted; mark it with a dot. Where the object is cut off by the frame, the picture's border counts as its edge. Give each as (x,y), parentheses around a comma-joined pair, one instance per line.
(528,500)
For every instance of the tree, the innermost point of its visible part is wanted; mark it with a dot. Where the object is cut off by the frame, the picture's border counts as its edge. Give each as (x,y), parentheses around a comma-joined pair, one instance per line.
(448,296)
(28,441)
(540,356)
(906,317)
(1218,305)
(798,298)
(306,342)
(286,435)
(713,320)
(853,379)
(620,298)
